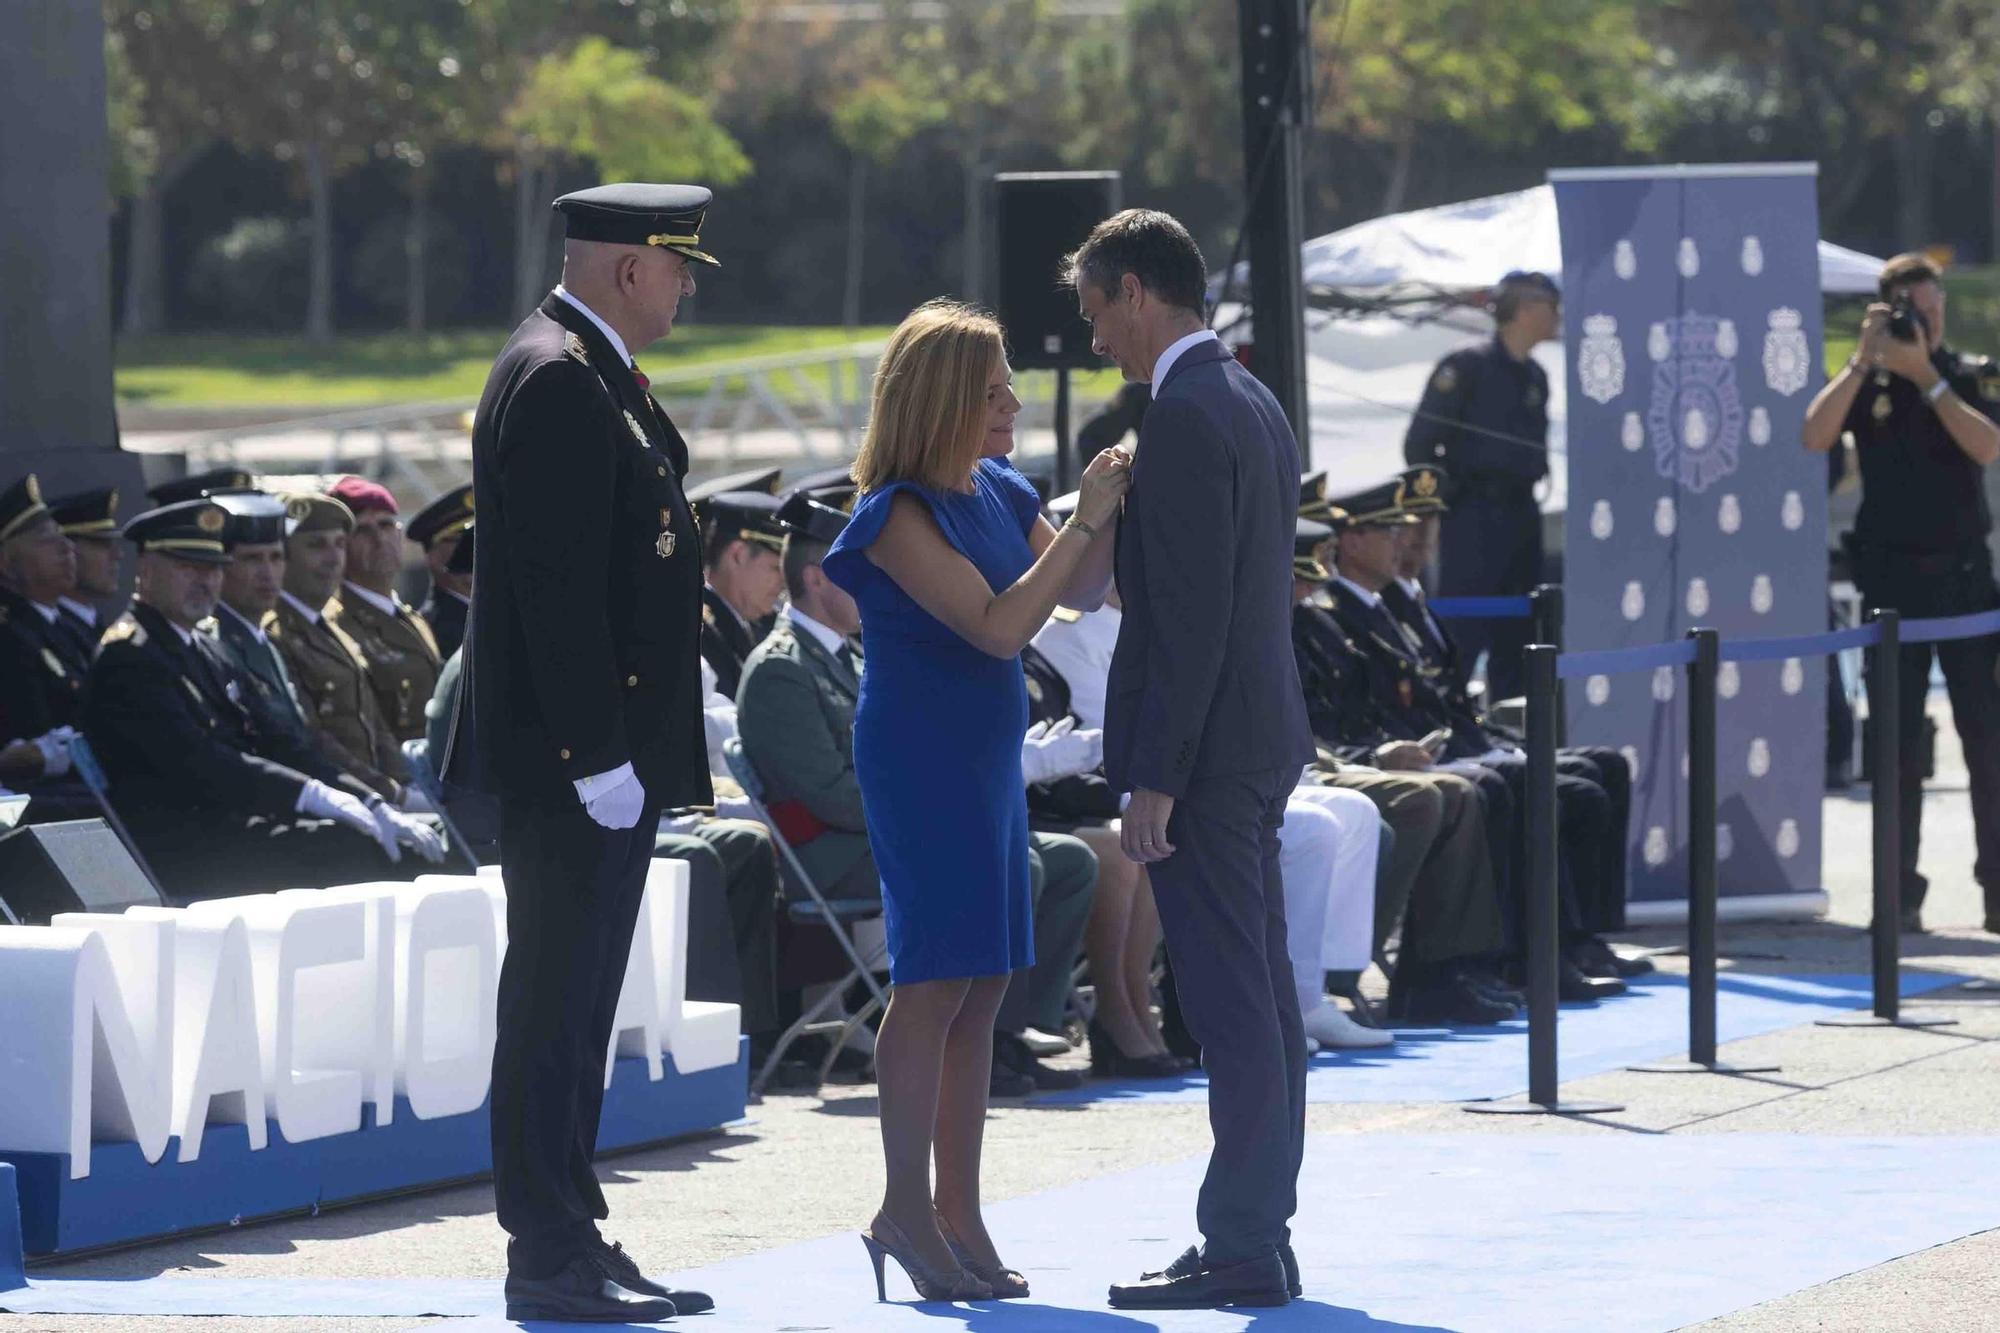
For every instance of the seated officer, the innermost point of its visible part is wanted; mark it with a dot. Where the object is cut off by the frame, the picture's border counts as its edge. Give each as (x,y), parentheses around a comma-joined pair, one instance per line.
(327,667)
(216,808)
(1422,495)
(43,659)
(198,484)
(1405,694)
(438,528)
(397,646)
(741,578)
(255,542)
(90,520)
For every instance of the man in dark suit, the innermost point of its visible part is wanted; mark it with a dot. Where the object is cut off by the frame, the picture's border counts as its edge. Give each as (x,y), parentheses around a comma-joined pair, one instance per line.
(582,688)
(1206,727)
(216,807)
(439,527)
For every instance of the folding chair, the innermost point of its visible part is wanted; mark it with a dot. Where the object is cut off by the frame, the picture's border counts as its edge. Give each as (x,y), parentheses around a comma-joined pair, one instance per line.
(837,917)
(417,754)
(83,763)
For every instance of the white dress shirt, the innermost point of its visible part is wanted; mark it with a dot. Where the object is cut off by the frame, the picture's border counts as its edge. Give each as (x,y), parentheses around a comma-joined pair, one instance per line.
(1371,599)
(311,613)
(1080,651)
(388,606)
(1173,354)
(611,334)
(256,630)
(832,642)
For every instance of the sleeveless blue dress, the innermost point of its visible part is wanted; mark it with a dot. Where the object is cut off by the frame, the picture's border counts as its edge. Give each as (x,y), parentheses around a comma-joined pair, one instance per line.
(937,741)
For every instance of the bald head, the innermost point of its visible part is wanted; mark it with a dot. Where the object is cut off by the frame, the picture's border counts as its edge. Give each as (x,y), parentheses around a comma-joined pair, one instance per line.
(636,289)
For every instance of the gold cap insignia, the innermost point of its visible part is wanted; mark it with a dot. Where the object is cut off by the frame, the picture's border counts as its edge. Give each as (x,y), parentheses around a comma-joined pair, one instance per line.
(210,520)
(468,502)
(299,509)
(1427,484)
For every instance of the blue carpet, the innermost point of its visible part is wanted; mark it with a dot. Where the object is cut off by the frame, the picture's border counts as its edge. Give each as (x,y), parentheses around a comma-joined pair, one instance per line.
(1467,1064)
(1450,1232)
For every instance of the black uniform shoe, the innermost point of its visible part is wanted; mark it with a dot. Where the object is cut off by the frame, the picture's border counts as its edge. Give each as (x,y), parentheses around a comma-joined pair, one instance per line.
(1598,959)
(1005,1082)
(1496,989)
(1190,1283)
(1293,1287)
(1011,1050)
(626,1271)
(583,1291)
(1573,985)
(1447,999)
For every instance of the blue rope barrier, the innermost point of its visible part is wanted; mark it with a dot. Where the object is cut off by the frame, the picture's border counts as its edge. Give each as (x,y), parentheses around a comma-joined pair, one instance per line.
(1610,661)
(1800,645)
(1481,608)
(1942,629)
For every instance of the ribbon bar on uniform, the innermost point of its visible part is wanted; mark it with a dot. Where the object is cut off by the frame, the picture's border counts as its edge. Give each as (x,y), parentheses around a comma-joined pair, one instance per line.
(1945,628)
(1610,661)
(1800,645)
(1481,608)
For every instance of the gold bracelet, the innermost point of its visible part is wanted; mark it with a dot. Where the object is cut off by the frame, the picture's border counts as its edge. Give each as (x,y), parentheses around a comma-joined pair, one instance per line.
(1081,526)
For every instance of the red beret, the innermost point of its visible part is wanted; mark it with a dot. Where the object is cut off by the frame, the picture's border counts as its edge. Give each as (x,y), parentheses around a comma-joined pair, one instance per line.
(361,495)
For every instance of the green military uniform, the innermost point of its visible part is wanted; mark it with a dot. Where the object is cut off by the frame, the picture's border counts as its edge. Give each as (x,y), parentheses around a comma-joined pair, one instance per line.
(330,672)
(400,654)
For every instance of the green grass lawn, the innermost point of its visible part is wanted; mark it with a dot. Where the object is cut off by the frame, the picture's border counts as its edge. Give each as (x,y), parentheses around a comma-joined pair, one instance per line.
(232,370)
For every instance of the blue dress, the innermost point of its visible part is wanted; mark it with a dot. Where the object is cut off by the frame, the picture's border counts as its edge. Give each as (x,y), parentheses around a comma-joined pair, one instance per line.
(937,741)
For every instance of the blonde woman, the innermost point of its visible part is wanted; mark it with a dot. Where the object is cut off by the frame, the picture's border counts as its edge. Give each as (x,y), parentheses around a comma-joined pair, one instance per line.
(954,570)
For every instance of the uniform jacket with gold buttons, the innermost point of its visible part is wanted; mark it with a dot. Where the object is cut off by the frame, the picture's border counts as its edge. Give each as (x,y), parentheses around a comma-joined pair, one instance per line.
(330,674)
(401,655)
(581,651)
(42,670)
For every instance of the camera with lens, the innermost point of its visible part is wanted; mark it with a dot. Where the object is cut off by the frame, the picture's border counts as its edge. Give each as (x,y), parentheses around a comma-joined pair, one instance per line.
(1904,321)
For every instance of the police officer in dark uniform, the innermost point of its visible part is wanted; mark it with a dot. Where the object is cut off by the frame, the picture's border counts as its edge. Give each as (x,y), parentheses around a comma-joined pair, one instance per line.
(582,687)
(42,662)
(1922,417)
(90,520)
(439,527)
(198,484)
(742,579)
(1485,417)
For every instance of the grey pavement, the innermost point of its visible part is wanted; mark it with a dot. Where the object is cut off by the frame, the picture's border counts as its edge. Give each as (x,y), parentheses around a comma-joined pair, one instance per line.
(807,1167)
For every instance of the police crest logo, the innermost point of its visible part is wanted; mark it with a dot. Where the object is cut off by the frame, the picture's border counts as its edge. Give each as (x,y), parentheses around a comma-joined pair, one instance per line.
(1600,362)
(1787,358)
(1695,417)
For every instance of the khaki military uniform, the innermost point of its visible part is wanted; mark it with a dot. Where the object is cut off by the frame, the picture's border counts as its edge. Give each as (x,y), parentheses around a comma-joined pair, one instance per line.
(330,673)
(400,653)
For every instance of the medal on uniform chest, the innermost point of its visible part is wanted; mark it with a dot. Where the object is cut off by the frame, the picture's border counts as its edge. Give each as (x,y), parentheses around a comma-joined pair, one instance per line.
(1880,408)
(638,432)
(665,545)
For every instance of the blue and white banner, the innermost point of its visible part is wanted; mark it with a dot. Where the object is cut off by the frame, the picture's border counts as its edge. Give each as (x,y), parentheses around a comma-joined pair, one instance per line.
(1691,313)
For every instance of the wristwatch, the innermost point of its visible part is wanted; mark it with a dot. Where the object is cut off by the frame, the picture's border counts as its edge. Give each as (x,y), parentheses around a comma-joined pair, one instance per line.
(1937,391)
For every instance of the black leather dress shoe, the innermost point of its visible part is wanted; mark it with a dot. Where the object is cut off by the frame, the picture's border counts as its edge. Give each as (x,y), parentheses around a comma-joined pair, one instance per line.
(1595,958)
(1573,985)
(627,1273)
(1293,1287)
(1010,1050)
(1191,1283)
(583,1291)
(1447,1000)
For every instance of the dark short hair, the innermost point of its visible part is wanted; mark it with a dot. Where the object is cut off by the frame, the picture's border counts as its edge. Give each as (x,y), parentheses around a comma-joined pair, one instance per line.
(801,553)
(1150,245)
(1906,270)
(1513,286)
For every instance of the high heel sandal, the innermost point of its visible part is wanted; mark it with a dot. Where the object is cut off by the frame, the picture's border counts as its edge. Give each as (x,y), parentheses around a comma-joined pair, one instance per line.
(1006,1283)
(894,1244)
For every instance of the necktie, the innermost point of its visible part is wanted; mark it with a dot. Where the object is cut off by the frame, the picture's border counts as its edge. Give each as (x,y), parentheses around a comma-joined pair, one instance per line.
(848,659)
(639,375)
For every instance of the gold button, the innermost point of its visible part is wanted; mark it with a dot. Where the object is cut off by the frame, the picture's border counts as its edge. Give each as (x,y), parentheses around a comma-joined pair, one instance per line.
(662,471)
(565,754)
(631,680)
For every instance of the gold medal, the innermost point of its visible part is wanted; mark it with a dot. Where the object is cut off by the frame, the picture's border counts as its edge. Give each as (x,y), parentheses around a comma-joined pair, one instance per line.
(665,545)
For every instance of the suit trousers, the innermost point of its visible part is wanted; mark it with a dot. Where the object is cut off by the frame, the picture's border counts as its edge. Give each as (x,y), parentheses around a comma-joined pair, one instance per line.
(1222,907)
(1437,879)
(573,892)
(1063,878)
(1490,546)
(1582,822)
(1603,902)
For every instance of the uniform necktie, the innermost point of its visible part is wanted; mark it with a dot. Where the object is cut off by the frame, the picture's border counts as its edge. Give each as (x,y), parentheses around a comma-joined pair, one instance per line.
(639,375)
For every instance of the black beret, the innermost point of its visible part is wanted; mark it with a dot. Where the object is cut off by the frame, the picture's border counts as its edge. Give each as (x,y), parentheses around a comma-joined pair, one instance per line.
(1372,508)
(88,514)
(749,515)
(449,513)
(255,518)
(187,530)
(20,505)
(635,213)
(198,484)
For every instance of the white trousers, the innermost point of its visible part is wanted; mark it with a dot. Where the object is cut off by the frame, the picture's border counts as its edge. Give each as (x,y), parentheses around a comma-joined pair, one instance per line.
(1331,840)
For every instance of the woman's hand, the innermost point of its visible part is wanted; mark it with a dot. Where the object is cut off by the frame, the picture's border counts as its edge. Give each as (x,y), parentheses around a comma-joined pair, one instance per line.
(1105,482)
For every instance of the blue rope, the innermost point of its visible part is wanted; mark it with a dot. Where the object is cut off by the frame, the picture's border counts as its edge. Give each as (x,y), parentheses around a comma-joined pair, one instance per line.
(1610,661)
(1801,645)
(1481,608)
(1945,628)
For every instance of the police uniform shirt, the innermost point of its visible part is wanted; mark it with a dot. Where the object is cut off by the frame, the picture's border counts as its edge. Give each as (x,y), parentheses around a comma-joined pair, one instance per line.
(1919,490)
(42,668)
(1485,388)
(399,651)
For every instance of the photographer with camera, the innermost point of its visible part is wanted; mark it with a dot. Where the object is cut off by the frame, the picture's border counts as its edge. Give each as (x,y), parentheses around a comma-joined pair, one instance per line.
(1924,422)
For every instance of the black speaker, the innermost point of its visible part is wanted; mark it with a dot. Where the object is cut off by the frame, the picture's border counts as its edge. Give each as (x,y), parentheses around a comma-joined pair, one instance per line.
(1040,216)
(74,866)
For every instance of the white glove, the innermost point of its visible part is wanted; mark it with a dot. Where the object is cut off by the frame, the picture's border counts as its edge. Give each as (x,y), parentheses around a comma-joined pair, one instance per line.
(54,746)
(319,801)
(615,799)
(1059,751)
(404,831)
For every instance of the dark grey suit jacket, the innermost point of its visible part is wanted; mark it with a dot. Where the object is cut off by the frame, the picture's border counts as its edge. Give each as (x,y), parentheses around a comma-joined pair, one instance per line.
(1203,681)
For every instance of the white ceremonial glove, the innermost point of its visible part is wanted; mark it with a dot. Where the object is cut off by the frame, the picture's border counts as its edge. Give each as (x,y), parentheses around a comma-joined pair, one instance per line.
(1059,751)
(54,746)
(404,831)
(319,801)
(615,799)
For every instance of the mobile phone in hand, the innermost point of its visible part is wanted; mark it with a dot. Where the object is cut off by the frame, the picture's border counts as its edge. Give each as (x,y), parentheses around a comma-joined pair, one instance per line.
(1434,742)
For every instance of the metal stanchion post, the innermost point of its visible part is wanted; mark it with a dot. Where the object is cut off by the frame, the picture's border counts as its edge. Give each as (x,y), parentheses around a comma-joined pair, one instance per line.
(1543,926)
(1885,781)
(1702,886)
(1546,609)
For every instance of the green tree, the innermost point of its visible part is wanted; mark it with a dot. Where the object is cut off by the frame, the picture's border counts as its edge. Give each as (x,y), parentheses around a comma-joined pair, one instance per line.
(874,121)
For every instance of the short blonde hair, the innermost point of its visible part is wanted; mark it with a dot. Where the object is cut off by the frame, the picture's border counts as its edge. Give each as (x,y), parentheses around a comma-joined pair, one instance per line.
(928,414)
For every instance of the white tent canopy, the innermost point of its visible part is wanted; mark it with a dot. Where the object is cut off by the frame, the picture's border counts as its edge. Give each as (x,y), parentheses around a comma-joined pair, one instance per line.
(1366,374)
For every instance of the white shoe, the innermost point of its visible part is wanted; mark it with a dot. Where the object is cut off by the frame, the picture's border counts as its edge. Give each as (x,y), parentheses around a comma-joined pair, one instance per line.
(1044,1043)
(1330,1026)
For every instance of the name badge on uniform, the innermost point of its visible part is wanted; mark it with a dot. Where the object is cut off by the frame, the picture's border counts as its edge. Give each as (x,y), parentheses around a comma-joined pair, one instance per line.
(665,545)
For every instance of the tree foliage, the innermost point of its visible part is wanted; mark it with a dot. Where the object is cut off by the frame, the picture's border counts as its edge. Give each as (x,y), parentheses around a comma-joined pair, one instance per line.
(599,103)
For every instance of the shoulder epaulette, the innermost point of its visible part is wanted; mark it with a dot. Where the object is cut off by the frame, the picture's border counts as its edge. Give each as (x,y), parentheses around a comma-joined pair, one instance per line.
(574,348)
(125,628)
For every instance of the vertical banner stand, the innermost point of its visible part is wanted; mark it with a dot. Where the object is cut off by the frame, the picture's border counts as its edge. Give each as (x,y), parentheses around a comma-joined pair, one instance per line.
(1885,781)
(1702,884)
(1543,924)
